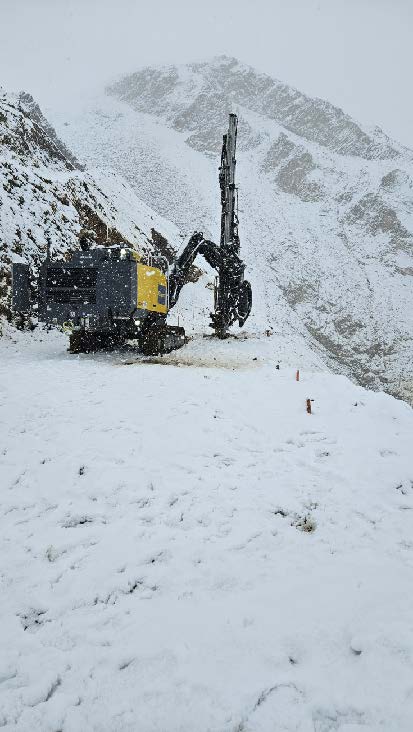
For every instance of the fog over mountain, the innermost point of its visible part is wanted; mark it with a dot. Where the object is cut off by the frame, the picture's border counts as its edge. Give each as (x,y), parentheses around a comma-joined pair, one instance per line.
(356,53)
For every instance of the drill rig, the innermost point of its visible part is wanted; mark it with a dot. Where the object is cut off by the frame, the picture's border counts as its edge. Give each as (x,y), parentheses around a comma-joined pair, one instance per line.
(106,295)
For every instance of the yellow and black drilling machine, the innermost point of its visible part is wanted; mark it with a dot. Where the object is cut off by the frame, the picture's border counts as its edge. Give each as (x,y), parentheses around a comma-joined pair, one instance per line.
(106,295)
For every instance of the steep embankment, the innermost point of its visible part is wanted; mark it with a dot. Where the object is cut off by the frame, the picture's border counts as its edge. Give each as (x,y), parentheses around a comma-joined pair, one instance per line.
(326,205)
(46,194)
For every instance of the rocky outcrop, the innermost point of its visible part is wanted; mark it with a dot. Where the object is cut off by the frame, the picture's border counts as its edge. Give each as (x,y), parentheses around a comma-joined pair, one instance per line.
(46,195)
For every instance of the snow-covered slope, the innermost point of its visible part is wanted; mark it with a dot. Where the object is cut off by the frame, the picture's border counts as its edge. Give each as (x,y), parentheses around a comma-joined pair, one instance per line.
(184,549)
(326,205)
(44,192)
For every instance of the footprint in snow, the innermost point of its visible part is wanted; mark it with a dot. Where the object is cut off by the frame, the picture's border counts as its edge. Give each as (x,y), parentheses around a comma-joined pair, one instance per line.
(405,487)
(73,521)
(283,702)
(321,454)
(295,443)
(32,619)
(386,452)
(306,524)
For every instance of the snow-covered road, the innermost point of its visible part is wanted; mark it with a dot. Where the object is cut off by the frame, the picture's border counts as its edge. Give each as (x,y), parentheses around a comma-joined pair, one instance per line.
(184,549)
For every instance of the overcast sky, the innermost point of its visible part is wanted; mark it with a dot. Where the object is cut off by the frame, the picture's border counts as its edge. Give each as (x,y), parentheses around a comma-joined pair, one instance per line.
(356,53)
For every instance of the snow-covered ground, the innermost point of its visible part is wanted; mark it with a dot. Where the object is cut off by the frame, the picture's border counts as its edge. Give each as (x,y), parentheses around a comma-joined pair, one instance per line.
(184,548)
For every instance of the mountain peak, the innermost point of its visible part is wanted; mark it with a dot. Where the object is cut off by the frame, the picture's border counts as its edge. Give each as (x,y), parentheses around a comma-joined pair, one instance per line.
(184,95)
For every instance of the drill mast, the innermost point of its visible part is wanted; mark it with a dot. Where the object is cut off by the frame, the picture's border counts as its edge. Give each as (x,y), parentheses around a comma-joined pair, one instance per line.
(229,217)
(231,268)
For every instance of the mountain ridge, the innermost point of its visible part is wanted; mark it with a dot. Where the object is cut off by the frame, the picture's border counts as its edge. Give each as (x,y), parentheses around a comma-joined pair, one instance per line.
(283,103)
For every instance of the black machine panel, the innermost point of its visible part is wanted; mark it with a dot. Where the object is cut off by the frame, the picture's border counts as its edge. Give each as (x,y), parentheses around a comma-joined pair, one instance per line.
(99,284)
(71,284)
(20,287)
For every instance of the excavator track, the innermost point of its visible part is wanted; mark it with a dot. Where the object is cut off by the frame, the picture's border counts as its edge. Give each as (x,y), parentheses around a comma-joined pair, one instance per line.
(154,342)
(161,339)
(85,342)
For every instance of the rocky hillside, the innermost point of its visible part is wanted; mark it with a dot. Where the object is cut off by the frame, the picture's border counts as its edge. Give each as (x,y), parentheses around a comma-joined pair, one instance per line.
(193,99)
(326,205)
(46,194)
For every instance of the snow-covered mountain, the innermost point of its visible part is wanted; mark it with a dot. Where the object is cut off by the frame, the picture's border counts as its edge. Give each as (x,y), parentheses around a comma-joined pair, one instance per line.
(326,205)
(45,192)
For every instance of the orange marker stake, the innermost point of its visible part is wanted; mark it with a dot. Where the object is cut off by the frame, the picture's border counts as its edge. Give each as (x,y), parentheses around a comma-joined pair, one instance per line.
(297,375)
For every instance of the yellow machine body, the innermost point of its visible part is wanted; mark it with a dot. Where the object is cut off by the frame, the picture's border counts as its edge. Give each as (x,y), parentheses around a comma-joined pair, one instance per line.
(152,289)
